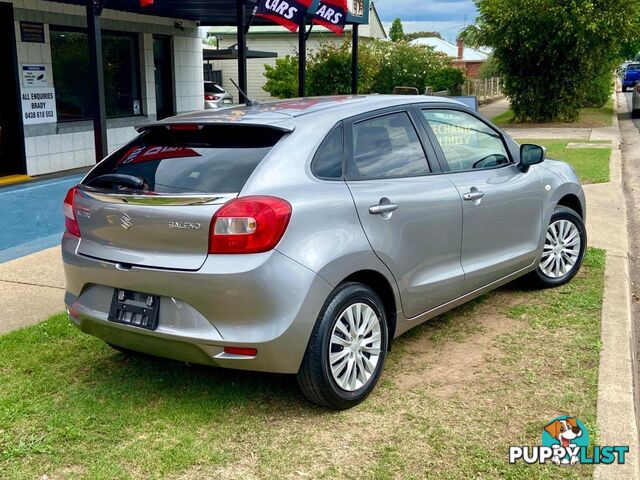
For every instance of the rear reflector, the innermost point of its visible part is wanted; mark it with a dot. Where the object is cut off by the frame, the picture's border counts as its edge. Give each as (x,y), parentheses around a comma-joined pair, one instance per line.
(70,222)
(245,352)
(251,224)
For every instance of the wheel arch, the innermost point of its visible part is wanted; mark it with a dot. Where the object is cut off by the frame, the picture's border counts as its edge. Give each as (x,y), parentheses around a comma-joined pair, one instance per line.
(572,201)
(381,285)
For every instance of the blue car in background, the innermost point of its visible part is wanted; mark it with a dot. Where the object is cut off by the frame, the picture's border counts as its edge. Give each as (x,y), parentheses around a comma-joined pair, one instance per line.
(631,76)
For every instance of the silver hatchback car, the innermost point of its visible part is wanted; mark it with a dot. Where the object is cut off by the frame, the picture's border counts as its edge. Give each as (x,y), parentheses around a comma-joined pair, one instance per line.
(302,236)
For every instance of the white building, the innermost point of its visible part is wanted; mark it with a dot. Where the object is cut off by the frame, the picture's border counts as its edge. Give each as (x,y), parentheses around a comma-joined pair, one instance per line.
(153,67)
(282,42)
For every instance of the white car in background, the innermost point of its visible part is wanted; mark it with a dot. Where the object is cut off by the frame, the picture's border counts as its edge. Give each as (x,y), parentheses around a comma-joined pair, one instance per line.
(215,96)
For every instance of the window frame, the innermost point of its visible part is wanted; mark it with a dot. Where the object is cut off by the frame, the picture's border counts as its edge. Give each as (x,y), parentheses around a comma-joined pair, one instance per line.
(341,178)
(442,159)
(350,169)
(136,58)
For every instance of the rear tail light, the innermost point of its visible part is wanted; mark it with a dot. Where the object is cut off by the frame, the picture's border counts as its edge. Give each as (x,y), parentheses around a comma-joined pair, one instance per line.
(249,225)
(211,97)
(70,222)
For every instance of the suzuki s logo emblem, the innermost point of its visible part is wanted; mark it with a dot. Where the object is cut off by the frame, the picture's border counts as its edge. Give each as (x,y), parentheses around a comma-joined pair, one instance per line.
(125,221)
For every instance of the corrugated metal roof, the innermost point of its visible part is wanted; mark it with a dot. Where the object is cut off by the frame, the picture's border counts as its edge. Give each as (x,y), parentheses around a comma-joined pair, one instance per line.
(451,50)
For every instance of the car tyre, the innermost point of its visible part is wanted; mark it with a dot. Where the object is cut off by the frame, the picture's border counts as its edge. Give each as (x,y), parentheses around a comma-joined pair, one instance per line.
(635,113)
(324,376)
(567,244)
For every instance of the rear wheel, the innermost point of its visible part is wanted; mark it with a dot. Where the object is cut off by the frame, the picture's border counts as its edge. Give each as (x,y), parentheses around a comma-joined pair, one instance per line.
(635,113)
(563,251)
(347,348)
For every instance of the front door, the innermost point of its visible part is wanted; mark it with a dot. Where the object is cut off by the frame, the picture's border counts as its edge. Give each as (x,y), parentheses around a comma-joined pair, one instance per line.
(163,76)
(502,207)
(411,214)
(11,130)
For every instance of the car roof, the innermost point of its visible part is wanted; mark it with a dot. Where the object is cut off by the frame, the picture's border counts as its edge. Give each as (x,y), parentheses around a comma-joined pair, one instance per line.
(284,114)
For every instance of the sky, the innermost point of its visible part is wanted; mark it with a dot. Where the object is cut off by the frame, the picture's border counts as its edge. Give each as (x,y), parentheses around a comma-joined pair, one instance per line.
(444,16)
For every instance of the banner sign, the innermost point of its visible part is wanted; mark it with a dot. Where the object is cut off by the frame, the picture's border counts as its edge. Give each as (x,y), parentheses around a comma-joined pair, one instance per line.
(332,14)
(38,105)
(288,13)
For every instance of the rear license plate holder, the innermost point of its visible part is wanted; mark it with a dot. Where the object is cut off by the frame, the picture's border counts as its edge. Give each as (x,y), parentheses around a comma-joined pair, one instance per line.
(136,309)
(227,101)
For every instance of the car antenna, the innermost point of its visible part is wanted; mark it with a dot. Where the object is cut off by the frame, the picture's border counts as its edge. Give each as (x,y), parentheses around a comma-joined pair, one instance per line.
(248,102)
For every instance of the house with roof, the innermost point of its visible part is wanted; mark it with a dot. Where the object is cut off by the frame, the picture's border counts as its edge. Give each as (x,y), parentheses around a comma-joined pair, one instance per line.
(268,42)
(468,59)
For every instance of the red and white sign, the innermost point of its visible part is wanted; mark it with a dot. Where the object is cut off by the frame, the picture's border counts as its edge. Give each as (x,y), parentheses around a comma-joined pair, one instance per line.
(332,14)
(288,13)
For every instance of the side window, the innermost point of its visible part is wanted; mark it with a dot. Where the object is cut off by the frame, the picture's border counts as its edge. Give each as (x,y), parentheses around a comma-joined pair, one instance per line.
(388,147)
(467,143)
(327,162)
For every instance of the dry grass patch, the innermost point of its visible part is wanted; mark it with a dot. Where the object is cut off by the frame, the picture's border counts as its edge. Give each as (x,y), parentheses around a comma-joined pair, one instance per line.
(456,393)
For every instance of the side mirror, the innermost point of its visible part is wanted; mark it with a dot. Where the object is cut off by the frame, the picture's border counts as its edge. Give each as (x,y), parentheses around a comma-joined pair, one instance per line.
(531,155)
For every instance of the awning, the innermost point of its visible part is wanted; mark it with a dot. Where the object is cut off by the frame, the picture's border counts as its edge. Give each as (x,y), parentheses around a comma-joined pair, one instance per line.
(232,54)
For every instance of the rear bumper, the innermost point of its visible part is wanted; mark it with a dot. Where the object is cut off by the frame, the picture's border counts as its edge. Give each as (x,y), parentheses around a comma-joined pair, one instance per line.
(265,301)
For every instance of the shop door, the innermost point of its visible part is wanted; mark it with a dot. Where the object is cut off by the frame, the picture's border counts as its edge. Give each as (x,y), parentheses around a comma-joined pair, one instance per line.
(11,131)
(163,77)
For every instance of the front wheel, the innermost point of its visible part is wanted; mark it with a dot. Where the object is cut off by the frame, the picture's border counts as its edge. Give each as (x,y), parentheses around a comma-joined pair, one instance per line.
(564,246)
(346,350)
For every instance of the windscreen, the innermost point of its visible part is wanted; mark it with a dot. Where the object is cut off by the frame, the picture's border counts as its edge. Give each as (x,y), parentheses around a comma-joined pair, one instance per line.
(634,67)
(213,159)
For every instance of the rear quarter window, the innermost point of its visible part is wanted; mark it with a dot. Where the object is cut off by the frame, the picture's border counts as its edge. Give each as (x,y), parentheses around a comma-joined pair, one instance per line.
(215,159)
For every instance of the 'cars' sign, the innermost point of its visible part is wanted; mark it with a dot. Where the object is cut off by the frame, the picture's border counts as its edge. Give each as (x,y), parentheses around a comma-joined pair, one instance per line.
(332,14)
(288,13)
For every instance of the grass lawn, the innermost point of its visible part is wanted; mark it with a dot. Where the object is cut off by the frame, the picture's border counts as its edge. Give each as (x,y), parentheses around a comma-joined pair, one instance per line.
(456,393)
(589,118)
(592,164)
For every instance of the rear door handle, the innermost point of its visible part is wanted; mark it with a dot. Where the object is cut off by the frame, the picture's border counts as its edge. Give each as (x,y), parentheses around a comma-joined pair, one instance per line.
(473,195)
(383,208)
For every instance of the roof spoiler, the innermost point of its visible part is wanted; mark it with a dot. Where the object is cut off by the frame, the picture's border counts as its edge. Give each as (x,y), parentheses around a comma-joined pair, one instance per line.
(282,126)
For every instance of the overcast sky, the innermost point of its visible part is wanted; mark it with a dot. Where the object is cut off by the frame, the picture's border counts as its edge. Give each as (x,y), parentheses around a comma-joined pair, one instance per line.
(444,16)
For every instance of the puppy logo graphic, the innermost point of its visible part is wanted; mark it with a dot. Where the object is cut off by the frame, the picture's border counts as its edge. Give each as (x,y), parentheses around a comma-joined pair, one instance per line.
(567,433)
(565,441)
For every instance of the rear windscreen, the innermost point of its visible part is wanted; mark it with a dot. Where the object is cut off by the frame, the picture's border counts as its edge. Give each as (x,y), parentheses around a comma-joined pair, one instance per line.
(214,159)
(212,88)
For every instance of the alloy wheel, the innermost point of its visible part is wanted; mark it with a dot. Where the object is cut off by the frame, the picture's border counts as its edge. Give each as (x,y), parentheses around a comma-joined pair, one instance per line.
(561,249)
(355,347)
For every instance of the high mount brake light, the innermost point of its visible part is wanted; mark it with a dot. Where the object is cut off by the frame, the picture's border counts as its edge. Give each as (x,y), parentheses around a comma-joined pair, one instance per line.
(184,127)
(70,222)
(251,224)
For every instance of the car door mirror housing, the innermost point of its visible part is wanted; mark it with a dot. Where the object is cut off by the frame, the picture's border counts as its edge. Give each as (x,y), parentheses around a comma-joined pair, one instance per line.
(531,155)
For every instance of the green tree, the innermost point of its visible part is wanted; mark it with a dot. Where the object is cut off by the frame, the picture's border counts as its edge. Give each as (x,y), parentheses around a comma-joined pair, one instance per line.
(282,79)
(396,32)
(382,66)
(422,34)
(555,55)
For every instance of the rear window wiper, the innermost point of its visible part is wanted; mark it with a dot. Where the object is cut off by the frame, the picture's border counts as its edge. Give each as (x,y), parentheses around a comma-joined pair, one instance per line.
(119,181)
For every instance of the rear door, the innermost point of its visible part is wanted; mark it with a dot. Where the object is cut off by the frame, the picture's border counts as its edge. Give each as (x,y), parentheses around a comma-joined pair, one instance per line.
(502,206)
(411,214)
(186,175)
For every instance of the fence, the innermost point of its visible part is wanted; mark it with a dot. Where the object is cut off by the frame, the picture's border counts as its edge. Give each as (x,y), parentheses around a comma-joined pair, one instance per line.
(486,88)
